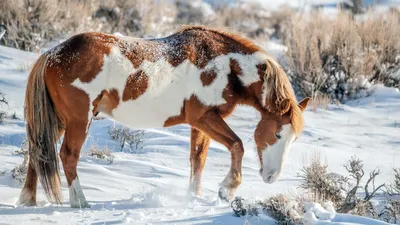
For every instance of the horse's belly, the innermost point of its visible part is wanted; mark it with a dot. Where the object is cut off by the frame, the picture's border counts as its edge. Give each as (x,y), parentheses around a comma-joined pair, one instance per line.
(147,113)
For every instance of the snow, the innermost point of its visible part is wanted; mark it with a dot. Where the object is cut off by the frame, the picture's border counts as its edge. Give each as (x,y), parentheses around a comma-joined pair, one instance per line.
(317,215)
(149,185)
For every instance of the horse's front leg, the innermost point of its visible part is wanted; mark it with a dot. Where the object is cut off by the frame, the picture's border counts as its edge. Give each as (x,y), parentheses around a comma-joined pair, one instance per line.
(212,124)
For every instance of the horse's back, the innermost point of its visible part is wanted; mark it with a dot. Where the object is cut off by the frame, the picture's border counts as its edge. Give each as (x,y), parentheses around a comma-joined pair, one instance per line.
(146,82)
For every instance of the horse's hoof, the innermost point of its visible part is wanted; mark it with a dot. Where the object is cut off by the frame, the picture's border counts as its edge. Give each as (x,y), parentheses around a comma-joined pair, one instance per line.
(26,203)
(224,194)
(26,198)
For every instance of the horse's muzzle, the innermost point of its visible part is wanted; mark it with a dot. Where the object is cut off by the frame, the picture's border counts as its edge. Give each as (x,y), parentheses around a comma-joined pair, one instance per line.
(270,177)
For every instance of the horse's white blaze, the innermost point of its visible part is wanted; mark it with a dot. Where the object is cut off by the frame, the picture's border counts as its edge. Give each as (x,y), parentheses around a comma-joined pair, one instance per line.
(76,197)
(275,155)
(168,86)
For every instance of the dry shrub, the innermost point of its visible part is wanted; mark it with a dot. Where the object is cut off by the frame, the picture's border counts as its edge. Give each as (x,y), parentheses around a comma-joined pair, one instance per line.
(248,18)
(124,135)
(30,23)
(381,41)
(321,185)
(283,211)
(139,18)
(194,12)
(324,186)
(394,188)
(391,212)
(19,171)
(333,191)
(320,101)
(3,115)
(101,153)
(278,207)
(337,56)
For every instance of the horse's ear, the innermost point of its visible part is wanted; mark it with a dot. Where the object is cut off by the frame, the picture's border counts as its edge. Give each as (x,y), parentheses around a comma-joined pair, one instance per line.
(285,106)
(303,104)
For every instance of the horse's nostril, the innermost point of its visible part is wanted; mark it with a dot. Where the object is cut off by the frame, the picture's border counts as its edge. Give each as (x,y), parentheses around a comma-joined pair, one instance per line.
(261,170)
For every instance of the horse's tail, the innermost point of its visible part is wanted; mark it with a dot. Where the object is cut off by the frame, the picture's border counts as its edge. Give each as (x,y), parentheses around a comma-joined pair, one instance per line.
(42,127)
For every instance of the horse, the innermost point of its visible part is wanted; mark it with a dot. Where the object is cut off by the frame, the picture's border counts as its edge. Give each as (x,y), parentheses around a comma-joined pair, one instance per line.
(195,76)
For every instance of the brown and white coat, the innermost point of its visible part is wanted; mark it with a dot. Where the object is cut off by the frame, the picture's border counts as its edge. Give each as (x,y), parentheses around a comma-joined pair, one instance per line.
(196,76)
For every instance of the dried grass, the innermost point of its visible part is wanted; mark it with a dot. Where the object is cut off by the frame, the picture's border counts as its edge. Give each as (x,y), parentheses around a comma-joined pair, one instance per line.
(337,56)
(30,23)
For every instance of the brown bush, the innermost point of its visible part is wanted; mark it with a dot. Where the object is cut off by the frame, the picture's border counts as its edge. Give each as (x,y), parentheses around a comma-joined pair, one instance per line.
(337,56)
(30,23)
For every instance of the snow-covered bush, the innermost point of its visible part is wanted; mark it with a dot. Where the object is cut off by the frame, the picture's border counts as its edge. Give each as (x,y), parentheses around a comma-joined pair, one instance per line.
(339,56)
(124,135)
(321,185)
(326,195)
(101,153)
(283,211)
(19,173)
(278,207)
(338,189)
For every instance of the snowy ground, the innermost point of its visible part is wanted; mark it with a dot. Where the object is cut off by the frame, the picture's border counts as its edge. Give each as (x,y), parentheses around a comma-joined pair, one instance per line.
(149,186)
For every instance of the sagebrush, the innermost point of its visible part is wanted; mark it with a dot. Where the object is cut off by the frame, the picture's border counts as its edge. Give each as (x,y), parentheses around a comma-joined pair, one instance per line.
(328,191)
(340,56)
(101,153)
(124,135)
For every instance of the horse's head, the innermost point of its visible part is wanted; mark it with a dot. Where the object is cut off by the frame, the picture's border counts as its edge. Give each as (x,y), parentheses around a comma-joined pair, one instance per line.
(274,136)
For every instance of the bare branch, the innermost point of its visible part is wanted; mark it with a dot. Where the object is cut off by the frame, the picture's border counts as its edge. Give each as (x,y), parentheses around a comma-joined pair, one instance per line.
(3,98)
(372,176)
(374,192)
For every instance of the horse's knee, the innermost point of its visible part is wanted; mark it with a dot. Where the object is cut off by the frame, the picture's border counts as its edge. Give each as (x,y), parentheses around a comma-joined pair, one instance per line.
(237,148)
(68,156)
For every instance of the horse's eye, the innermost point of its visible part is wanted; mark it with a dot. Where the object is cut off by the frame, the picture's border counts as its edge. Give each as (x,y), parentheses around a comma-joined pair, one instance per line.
(278,136)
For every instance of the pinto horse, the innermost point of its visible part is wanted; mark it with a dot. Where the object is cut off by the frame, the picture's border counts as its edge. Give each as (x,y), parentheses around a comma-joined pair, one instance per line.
(196,76)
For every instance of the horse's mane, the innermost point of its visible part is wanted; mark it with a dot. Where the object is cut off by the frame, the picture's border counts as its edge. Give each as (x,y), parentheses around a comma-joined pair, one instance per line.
(278,91)
(247,43)
(276,85)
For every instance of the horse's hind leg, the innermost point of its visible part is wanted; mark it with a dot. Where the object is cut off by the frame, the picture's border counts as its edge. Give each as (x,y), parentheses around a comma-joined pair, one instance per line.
(28,193)
(198,153)
(75,135)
